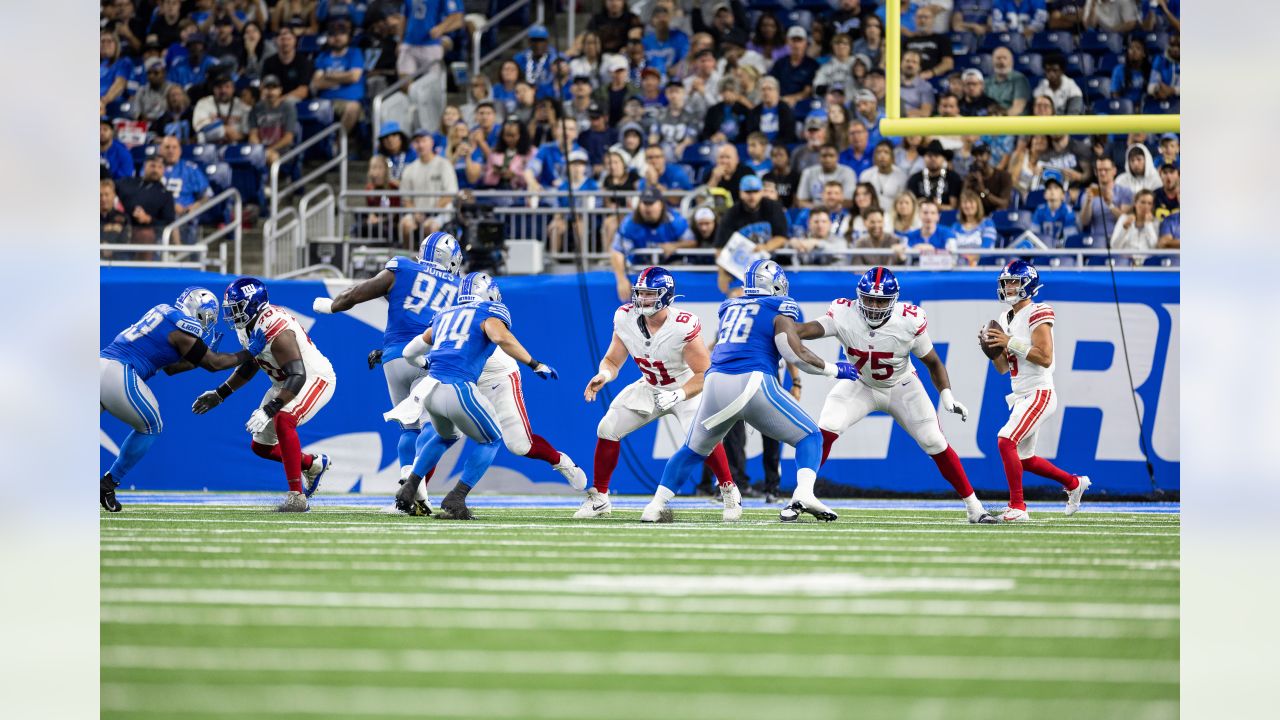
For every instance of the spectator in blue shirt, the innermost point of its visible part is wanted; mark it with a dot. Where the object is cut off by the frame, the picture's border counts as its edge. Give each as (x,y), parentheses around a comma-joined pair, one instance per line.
(663,175)
(113,71)
(1171,232)
(664,46)
(1166,72)
(112,154)
(195,65)
(1021,16)
(972,228)
(339,74)
(580,181)
(426,23)
(796,71)
(929,238)
(598,136)
(1053,221)
(1129,78)
(972,16)
(651,225)
(535,62)
(185,181)
(1102,203)
(548,166)
(771,116)
(860,153)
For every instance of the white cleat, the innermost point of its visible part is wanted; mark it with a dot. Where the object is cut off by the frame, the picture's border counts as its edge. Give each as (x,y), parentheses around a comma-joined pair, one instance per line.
(732,499)
(656,512)
(1073,496)
(807,503)
(1014,515)
(596,504)
(575,475)
(311,476)
(294,501)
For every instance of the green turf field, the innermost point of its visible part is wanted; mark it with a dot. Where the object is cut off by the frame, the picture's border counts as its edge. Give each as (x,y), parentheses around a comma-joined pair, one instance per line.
(221,612)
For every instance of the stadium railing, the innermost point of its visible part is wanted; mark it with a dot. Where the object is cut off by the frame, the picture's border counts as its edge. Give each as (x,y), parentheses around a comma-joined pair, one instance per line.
(279,194)
(169,251)
(479,60)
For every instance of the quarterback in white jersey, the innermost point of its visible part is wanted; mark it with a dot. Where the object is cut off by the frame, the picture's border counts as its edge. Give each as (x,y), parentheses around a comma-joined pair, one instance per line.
(302,382)
(880,334)
(1020,343)
(667,347)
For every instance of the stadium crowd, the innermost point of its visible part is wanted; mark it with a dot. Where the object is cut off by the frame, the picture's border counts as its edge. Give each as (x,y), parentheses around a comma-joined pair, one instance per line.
(769,109)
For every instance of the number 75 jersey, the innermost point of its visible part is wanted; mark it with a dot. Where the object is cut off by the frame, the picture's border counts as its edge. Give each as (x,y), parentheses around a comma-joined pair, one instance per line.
(882,355)
(659,356)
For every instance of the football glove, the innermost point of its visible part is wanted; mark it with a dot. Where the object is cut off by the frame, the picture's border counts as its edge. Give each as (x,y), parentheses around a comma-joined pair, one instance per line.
(257,343)
(207,401)
(375,359)
(667,399)
(257,421)
(545,371)
(846,371)
(951,405)
(322,305)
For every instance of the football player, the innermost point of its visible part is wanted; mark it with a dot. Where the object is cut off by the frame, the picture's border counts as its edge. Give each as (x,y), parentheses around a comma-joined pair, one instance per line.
(173,338)
(460,341)
(756,331)
(1025,337)
(880,335)
(302,382)
(666,345)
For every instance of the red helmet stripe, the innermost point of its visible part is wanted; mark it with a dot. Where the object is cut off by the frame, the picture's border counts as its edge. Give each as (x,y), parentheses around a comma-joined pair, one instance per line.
(643,274)
(879,274)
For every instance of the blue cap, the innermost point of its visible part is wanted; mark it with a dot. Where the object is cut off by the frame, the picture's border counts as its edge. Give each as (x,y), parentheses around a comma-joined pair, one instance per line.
(390,127)
(1053,175)
(1168,136)
(538,32)
(750,183)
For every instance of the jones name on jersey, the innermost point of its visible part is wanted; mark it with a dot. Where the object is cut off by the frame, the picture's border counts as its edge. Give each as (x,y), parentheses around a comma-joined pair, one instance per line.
(659,356)
(269,325)
(881,354)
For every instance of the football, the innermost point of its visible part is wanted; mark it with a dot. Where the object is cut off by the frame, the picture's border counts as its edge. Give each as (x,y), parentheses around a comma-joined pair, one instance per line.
(991,351)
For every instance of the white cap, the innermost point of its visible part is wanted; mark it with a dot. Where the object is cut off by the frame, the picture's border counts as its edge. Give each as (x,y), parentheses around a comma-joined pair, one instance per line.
(971,73)
(615,63)
(795,31)
(704,213)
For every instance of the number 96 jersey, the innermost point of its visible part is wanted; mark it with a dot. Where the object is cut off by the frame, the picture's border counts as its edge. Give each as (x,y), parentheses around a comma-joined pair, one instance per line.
(660,356)
(882,355)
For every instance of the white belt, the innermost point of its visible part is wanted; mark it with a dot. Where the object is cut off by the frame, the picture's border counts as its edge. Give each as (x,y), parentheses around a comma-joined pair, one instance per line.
(733,408)
(409,410)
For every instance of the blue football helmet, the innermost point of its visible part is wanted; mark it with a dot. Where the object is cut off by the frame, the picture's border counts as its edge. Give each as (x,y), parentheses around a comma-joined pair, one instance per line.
(478,287)
(200,304)
(877,292)
(656,287)
(441,250)
(765,277)
(1028,278)
(244,299)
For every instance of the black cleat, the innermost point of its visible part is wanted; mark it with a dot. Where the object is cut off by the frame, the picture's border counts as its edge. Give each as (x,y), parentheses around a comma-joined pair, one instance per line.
(814,507)
(454,507)
(408,503)
(107,493)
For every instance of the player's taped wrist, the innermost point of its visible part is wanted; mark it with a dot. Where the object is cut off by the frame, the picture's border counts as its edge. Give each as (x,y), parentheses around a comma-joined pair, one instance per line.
(322,305)
(1019,347)
(607,371)
(224,391)
(830,369)
(946,398)
(272,407)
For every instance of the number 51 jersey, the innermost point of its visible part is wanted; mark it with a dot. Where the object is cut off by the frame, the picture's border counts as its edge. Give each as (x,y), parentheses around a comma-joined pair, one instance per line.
(660,356)
(882,355)
(420,291)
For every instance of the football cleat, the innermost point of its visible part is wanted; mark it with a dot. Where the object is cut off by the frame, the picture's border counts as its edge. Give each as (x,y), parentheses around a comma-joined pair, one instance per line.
(454,506)
(107,493)
(410,503)
(1014,515)
(807,504)
(575,475)
(982,517)
(1073,496)
(732,500)
(294,501)
(656,512)
(311,476)
(596,504)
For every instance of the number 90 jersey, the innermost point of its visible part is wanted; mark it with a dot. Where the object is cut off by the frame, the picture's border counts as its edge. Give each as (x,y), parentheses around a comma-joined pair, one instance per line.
(420,291)
(660,357)
(882,355)
(744,341)
(271,322)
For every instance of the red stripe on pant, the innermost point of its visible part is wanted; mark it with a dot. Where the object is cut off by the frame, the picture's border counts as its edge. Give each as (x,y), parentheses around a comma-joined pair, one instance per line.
(1033,415)
(539,448)
(304,407)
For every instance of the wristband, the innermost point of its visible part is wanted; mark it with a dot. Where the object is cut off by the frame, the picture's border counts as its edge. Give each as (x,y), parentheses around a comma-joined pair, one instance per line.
(1019,347)
(224,391)
(830,369)
(606,371)
(533,364)
(272,407)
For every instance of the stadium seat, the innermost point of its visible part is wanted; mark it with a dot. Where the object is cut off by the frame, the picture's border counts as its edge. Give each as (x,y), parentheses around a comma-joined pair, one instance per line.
(963,43)
(1115,106)
(123,109)
(976,60)
(1156,42)
(140,154)
(1053,41)
(314,116)
(1107,63)
(1161,261)
(1033,200)
(1011,223)
(248,162)
(251,155)
(803,18)
(1079,240)
(308,44)
(811,5)
(947,218)
(1153,106)
(940,85)
(1096,260)
(219,175)
(1029,64)
(1012,40)
(1080,64)
(200,154)
(698,155)
(1101,42)
(1097,87)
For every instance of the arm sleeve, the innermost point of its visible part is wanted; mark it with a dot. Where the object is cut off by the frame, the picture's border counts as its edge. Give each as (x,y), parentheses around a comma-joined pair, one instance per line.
(922,345)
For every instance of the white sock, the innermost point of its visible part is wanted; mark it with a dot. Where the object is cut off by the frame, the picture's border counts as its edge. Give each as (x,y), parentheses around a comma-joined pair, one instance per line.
(664,494)
(972,504)
(404,471)
(805,478)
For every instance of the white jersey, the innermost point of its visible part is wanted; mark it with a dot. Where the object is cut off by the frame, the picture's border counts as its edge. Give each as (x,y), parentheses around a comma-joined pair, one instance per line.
(497,368)
(660,357)
(273,321)
(882,354)
(1027,376)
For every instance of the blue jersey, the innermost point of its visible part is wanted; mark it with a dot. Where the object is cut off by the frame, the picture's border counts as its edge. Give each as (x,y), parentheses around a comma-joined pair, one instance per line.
(422,15)
(744,342)
(460,346)
(145,346)
(351,59)
(186,182)
(419,293)
(633,234)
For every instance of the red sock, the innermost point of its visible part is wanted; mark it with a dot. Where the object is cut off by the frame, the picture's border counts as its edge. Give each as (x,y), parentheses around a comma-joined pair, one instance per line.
(828,439)
(606,460)
(540,449)
(272,452)
(1012,472)
(1044,468)
(290,449)
(719,464)
(949,465)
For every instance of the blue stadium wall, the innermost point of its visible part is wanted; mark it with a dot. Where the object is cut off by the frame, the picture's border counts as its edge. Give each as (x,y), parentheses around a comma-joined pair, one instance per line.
(565,320)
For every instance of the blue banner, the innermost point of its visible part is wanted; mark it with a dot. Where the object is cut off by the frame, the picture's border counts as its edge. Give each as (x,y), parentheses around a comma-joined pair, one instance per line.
(565,320)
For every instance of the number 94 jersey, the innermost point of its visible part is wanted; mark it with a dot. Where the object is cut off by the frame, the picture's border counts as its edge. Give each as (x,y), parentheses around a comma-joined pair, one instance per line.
(420,291)
(882,355)
(660,356)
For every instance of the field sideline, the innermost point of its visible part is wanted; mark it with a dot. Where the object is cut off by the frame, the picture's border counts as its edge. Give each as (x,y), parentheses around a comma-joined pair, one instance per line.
(214,607)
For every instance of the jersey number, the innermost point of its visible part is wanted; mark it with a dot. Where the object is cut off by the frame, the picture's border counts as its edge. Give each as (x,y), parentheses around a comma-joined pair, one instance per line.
(735,327)
(458,331)
(422,292)
(879,370)
(1013,364)
(143,326)
(662,377)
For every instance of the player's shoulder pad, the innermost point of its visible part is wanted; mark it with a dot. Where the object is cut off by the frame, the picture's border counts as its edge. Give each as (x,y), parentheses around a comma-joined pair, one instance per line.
(273,322)
(181,320)
(690,324)
(786,306)
(498,310)
(1040,313)
(839,306)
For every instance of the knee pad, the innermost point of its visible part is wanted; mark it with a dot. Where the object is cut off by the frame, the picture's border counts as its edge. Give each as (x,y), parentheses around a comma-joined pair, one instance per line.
(606,431)
(518,444)
(931,440)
